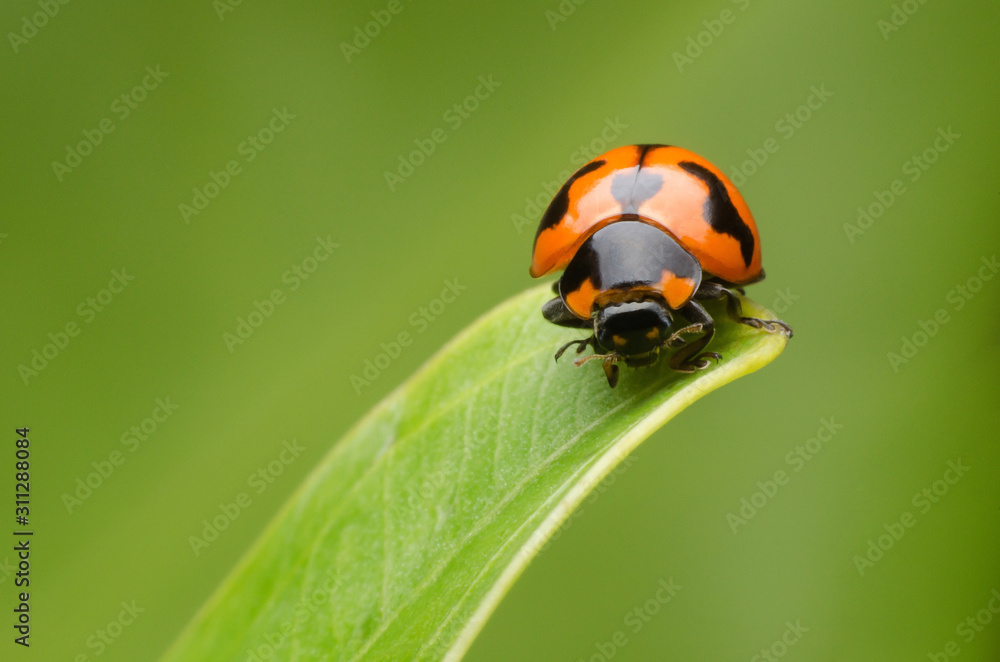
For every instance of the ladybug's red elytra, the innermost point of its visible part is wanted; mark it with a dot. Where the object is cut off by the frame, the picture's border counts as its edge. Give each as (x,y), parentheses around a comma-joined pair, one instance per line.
(645,232)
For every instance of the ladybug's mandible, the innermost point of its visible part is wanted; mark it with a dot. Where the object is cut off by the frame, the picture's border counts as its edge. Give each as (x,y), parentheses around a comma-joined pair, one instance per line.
(645,232)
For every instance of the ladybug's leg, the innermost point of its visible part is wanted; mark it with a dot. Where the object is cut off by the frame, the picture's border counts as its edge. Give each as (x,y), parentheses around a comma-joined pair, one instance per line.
(700,321)
(556,312)
(676,339)
(581,345)
(689,357)
(710,290)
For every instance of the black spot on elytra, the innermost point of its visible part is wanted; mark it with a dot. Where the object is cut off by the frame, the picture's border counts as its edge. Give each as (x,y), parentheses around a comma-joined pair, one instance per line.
(560,204)
(720,212)
(646,149)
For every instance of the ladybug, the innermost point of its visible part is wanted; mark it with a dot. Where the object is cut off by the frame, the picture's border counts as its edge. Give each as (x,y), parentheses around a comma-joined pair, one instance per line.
(643,234)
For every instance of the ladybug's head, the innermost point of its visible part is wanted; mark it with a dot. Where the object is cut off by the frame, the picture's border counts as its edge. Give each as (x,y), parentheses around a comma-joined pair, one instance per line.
(634,329)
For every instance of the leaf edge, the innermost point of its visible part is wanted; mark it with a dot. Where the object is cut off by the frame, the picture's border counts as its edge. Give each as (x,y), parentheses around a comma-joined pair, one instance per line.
(727,372)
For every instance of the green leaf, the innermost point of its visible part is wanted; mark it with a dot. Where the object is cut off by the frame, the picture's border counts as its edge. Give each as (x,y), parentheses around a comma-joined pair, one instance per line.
(406,536)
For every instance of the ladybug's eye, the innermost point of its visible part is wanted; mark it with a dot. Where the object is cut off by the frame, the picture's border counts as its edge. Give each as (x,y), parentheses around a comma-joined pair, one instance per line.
(636,327)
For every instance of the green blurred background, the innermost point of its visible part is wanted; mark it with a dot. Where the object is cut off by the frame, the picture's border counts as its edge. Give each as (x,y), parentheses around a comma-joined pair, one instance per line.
(562,75)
